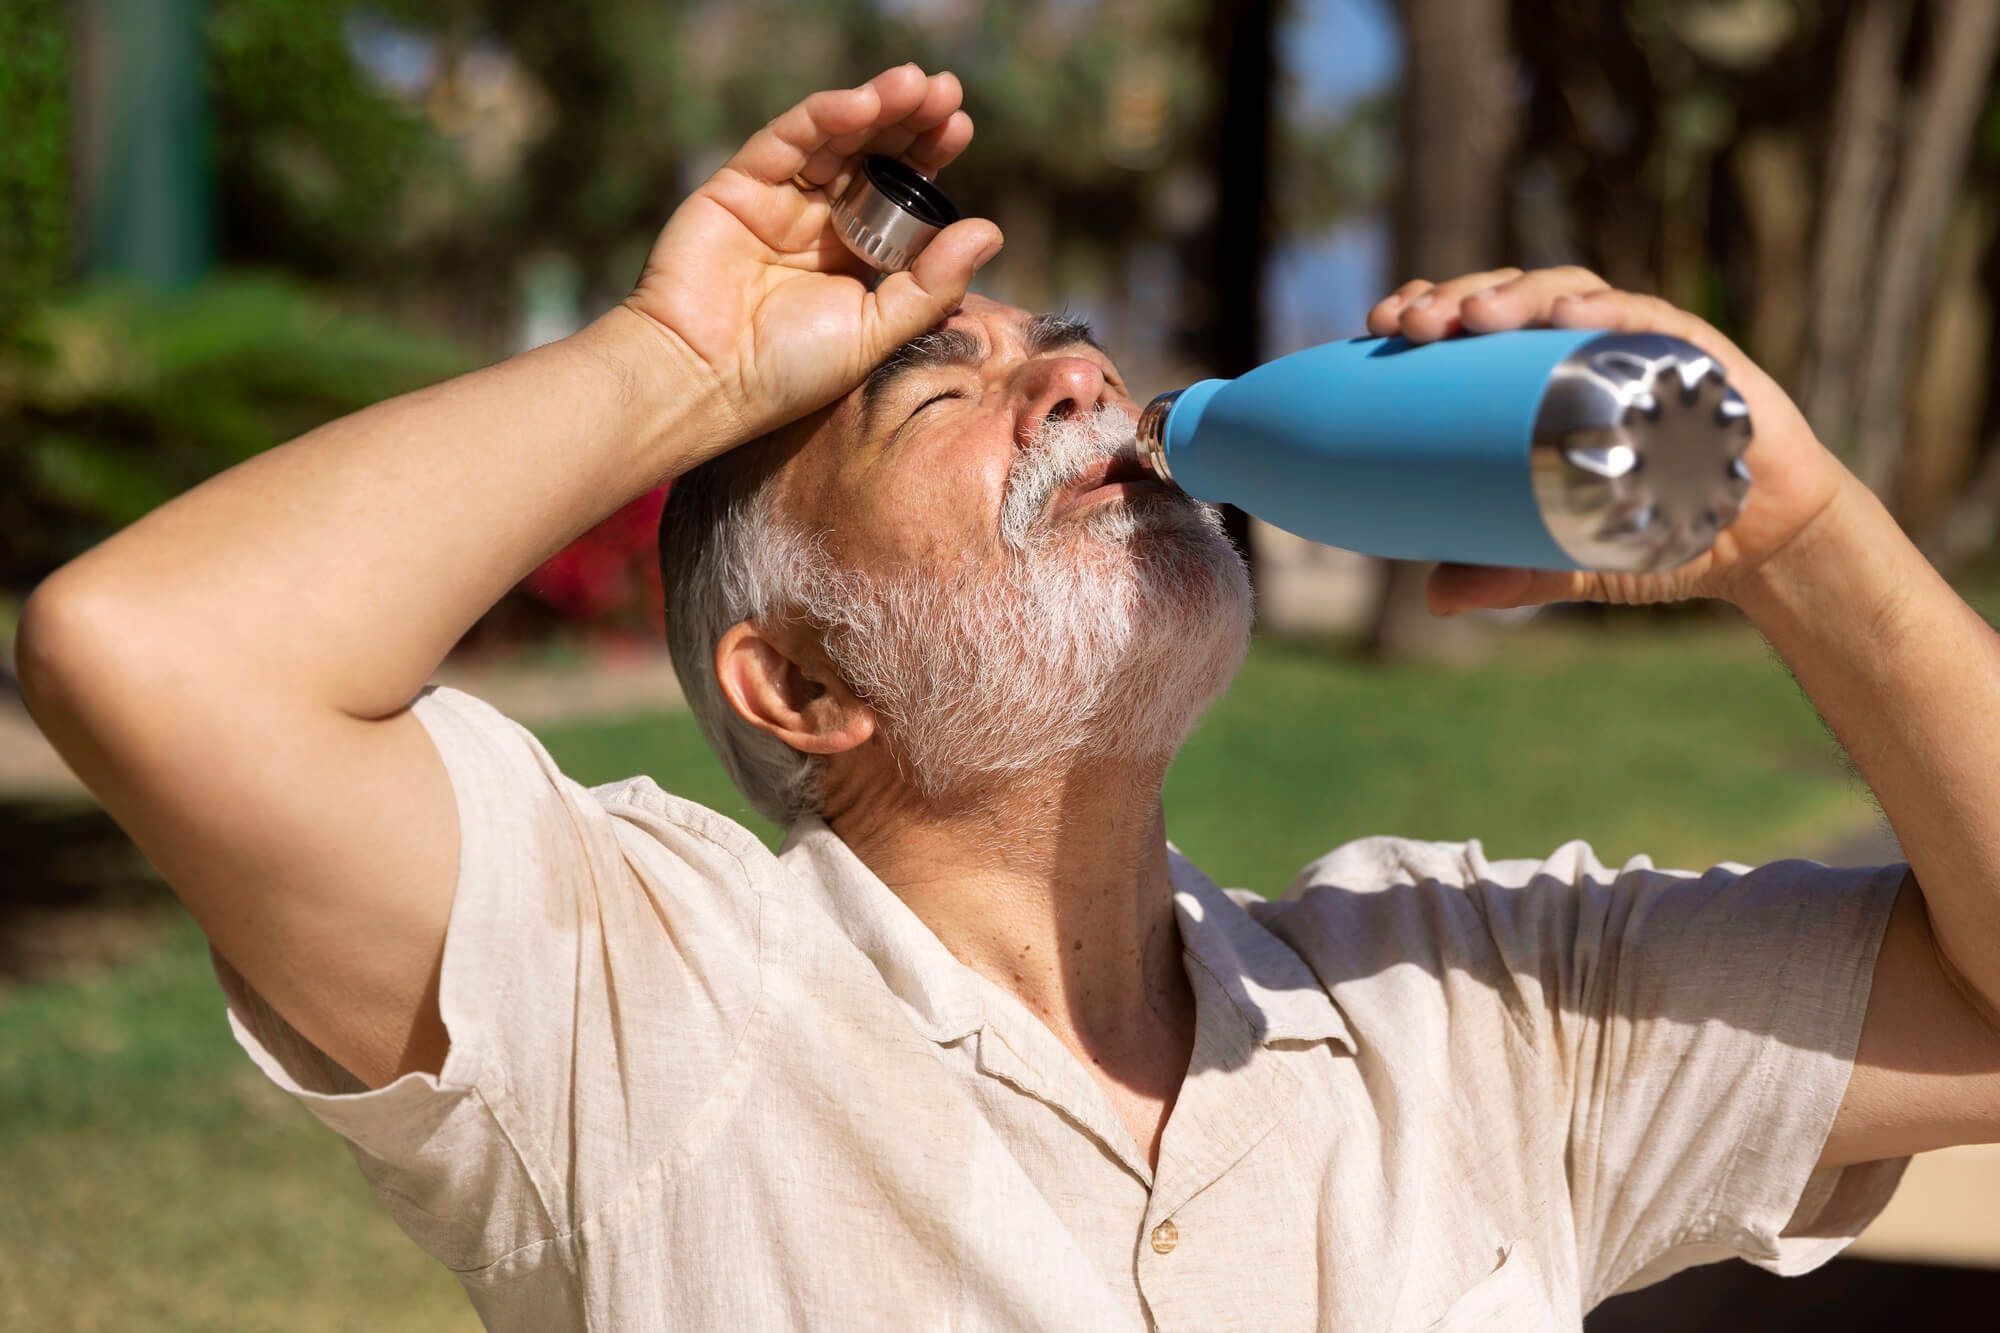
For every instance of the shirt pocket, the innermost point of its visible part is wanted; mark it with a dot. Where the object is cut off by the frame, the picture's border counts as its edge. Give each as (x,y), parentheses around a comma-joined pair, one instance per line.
(1508,1298)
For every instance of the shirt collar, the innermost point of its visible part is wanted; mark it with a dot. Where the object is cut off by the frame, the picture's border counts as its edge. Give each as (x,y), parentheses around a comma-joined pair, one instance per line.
(938,991)
(1280,996)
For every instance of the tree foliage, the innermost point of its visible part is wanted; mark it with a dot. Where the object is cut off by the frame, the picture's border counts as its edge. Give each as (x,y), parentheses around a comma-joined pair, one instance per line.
(315,167)
(1804,176)
(376,178)
(34,154)
(1815,179)
(114,399)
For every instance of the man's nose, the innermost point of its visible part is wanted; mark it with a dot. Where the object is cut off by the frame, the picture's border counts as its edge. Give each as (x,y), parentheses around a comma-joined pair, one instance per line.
(1058,387)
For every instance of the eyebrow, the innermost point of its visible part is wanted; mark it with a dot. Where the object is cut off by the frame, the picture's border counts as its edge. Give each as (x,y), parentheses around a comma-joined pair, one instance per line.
(1045,333)
(940,348)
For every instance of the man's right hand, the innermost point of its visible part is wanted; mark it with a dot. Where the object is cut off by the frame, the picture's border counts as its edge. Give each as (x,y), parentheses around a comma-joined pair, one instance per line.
(749,283)
(231,675)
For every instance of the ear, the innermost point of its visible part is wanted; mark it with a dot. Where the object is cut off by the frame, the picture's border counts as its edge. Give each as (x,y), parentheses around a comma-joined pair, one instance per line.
(780,683)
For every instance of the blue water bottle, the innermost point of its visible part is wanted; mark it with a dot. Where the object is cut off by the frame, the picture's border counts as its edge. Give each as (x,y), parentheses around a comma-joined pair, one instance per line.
(1545,448)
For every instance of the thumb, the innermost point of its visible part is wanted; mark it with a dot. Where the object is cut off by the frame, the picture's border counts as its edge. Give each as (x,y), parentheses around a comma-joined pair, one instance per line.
(907,303)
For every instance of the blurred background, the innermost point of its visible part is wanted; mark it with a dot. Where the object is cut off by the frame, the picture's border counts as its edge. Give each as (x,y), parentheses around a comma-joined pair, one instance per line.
(224,221)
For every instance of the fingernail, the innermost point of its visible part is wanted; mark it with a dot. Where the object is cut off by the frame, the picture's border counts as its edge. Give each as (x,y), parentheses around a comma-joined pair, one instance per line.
(1421,301)
(1483,293)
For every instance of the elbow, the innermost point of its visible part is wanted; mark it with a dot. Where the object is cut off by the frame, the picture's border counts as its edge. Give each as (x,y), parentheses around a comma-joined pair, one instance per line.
(63,641)
(109,687)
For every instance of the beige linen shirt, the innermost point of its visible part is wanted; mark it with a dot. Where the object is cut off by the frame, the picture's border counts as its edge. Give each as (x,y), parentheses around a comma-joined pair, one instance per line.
(695,1084)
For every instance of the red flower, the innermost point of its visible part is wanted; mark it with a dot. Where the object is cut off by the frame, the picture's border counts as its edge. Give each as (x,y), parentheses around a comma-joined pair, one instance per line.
(611,574)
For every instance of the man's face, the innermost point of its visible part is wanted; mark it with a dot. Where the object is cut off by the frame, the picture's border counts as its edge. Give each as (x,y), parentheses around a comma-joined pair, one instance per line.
(1006,585)
(910,469)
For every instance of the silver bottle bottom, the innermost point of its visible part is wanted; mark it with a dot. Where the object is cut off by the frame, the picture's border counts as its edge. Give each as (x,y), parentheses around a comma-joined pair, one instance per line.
(1637,456)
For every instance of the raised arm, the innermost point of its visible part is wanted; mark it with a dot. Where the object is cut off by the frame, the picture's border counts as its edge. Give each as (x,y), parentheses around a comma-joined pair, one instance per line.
(231,675)
(1906,673)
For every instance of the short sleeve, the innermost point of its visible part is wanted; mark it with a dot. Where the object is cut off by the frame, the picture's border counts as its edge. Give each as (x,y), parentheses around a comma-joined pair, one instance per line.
(600,968)
(1703,1028)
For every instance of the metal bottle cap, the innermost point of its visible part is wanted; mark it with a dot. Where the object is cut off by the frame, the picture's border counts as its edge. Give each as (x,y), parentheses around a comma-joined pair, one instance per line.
(1152,433)
(889,214)
(1637,458)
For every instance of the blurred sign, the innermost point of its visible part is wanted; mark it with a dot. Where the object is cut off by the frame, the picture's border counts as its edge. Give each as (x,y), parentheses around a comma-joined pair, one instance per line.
(145,170)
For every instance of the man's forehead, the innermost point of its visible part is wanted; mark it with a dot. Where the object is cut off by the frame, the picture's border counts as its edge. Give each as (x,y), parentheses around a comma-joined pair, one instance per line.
(1037,333)
(981,315)
(981,330)
(977,331)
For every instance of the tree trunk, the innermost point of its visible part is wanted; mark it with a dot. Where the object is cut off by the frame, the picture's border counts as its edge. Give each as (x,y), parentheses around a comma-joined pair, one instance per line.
(1594,120)
(1457,122)
(1773,179)
(1948,388)
(1964,38)
(1226,336)
(1974,523)
(1457,132)
(1860,162)
(1024,219)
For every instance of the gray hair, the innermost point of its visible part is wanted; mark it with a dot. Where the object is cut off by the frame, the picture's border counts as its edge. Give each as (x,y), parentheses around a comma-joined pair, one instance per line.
(972,674)
(726,557)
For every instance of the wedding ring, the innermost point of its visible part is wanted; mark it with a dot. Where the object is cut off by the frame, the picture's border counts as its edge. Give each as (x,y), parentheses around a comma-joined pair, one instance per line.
(798,179)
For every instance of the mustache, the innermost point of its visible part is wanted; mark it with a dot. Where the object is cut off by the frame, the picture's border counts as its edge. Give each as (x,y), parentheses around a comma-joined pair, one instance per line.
(1064,449)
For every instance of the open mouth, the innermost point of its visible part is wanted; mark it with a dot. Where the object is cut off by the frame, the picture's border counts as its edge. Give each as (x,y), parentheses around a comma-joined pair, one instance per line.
(1106,478)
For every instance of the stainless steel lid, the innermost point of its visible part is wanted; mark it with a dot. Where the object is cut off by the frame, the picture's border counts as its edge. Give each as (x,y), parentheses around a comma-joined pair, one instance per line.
(1637,459)
(889,214)
(1152,433)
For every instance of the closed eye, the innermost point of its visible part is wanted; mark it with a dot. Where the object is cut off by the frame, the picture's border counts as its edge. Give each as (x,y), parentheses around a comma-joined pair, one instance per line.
(934,398)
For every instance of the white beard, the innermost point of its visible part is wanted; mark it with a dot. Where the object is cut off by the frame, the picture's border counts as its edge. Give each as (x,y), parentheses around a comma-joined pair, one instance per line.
(1103,635)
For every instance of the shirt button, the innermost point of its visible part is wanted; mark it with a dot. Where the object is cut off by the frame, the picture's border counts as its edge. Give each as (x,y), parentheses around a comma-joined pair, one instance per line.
(1165,1237)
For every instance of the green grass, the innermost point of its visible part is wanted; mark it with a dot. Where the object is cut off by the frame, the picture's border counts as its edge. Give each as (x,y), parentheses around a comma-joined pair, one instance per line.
(1692,747)
(153,1180)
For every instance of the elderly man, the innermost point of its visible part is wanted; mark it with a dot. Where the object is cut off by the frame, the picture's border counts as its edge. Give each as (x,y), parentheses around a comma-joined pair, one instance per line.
(977,1048)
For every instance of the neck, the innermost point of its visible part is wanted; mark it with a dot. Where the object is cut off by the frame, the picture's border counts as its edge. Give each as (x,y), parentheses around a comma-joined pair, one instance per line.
(1054,888)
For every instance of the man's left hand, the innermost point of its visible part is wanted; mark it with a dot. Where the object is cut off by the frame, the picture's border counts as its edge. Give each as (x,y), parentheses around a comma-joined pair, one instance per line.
(1905,673)
(1794,479)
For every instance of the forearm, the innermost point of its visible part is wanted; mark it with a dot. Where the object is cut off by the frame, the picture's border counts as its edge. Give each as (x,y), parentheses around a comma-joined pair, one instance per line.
(341,567)
(1908,677)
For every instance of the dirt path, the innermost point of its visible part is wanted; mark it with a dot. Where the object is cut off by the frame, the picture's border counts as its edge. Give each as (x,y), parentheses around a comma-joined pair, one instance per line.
(28,767)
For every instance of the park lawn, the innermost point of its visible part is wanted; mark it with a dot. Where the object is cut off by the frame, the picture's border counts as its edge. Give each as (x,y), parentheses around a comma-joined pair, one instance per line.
(154,1180)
